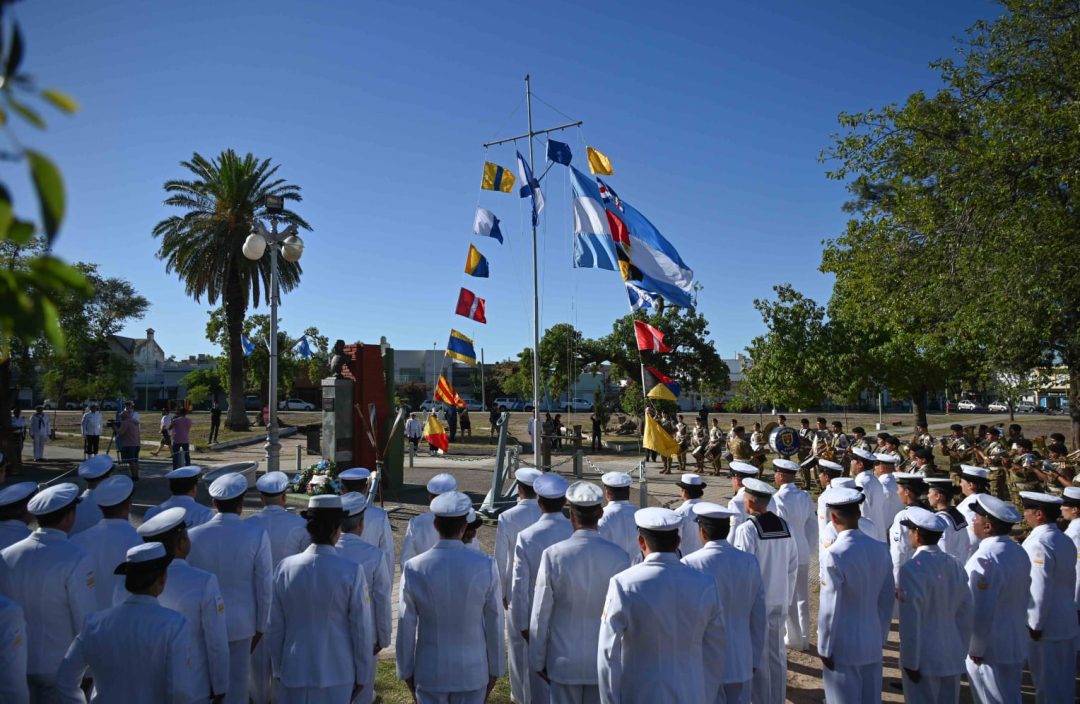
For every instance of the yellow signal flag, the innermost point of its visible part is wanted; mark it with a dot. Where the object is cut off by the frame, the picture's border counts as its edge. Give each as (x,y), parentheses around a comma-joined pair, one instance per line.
(496,178)
(598,162)
(659,440)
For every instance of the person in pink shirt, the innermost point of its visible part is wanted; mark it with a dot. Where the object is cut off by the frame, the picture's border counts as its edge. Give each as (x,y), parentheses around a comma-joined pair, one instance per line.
(181,432)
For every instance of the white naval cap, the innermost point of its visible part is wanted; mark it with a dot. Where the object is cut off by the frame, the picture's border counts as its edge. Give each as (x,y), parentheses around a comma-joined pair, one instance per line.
(910,479)
(993,507)
(146,557)
(53,498)
(17,492)
(658,519)
(743,468)
(691,481)
(186,472)
(550,486)
(785,466)
(228,486)
(95,467)
(325,505)
(355,474)
(830,466)
(758,487)
(942,484)
(272,483)
(710,511)
(114,491)
(970,471)
(353,502)
(919,517)
(441,483)
(863,454)
(162,522)
(885,458)
(1037,499)
(451,504)
(527,475)
(843,482)
(584,494)
(616,480)
(862,479)
(837,497)
(1071,496)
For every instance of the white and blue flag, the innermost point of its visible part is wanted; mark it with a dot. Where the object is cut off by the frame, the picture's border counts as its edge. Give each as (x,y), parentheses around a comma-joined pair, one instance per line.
(303,349)
(247,345)
(530,187)
(593,247)
(486,224)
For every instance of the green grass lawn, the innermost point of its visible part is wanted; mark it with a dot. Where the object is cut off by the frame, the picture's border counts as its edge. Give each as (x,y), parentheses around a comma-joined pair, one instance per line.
(390,690)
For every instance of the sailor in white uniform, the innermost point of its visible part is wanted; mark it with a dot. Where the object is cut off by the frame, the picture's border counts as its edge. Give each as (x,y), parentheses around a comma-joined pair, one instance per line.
(740,472)
(12,652)
(280,525)
(955,539)
(320,634)
(238,554)
(691,489)
(999,579)
(14,518)
(93,471)
(52,579)
(935,614)
(354,548)
(450,594)
(884,468)
(830,534)
(617,523)
(568,600)
(551,527)
(827,472)
(420,535)
(856,605)
(511,522)
(662,628)
(973,481)
(376,520)
(138,651)
(873,507)
(911,489)
(1070,510)
(108,540)
(797,509)
(1052,607)
(767,537)
(195,594)
(742,600)
(183,482)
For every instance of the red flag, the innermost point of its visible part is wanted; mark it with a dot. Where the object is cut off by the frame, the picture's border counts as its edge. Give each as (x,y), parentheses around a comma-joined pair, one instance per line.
(471,306)
(649,338)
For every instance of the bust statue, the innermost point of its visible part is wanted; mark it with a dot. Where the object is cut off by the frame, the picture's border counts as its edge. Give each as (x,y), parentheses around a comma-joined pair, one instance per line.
(339,359)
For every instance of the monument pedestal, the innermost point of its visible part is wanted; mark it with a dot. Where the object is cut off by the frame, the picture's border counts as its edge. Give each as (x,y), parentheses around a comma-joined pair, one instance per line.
(337,420)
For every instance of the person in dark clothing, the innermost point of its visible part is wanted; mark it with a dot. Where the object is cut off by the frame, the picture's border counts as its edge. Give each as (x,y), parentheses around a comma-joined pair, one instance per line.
(451,421)
(597,429)
(215,422)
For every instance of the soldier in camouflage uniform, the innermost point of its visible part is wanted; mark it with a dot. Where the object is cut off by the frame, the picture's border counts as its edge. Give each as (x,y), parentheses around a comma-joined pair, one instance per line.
(1024,475)
(992,455)
(858,439)
(922,437)
(1057,471)
(957,448)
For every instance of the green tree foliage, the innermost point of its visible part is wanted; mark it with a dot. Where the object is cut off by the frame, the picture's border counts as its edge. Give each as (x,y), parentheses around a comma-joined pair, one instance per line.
(412,393)
(202,385)
(203,245)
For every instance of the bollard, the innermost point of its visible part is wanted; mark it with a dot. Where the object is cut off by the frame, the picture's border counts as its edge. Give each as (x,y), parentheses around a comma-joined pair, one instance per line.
(643,486)
(298,457)
(545,454)
(412,455)
(579,457)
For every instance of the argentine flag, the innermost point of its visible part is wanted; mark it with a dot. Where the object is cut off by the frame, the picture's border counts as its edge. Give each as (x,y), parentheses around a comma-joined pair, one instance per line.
(593,248)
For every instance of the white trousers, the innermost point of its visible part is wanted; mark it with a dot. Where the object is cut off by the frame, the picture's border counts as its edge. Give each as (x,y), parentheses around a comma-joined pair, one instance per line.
(994,683)
(573,693)
(770,680)
(39,447)
(798,615)
(311,695)
(239,671)
(476,696)
(735,693)
(1053,670)
(931,690)
(847,684)
(519,664)
(262,682)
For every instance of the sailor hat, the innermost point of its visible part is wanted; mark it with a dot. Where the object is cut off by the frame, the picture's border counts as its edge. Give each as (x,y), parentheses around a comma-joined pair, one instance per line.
(1037,499)
(616,480)
(147,557)
(353,503)
(17,492)
(272,483)
(837,497)
(187,472)
(53,498)
(584,494)
(114,491)
(843,482)
(785,466)
(993,507)
(527,475)
(885,458)
(831,467)
(863,478)
(228,486)
(743,468)
(162,522)
(974,473)
(451,504)
(757,487)
(918,517)
(355,474)
(95,467)
(441,483)
(550,486)
(691,481)
(863,454)
(323,505)
(706,510)
(1071,496)
(474,519)
(942,484)
(657,519)
(910,479)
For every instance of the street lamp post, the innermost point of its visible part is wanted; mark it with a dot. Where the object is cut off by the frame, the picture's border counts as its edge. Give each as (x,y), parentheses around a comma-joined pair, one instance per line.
(291,248)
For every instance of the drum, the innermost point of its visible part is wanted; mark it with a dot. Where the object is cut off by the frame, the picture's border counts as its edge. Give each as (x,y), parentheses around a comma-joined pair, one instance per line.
(784,441)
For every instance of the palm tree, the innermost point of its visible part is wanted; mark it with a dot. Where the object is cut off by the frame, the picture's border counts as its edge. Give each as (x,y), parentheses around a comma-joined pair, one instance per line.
(203,245)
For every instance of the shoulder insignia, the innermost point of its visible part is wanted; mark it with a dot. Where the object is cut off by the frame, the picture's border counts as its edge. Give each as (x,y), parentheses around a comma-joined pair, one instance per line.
(90,580)
(981,585)
(221,607)
(18,640)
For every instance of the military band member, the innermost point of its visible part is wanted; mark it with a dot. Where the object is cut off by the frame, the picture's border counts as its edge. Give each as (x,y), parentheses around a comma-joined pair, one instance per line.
(882,443)
(15,519)
(739,448)
(691,489)
(740,472)
(822,441)
(1030,474)
(1063,474)
(1014,436)
(922,462)
(568,600)
(991,455)
(892,447)
(759,445)
(420,535)
(682,436)
(669,427)
(958,449)
(766,536)
(839,441)
(731,430)
(999,578)
(617,523)
(858,439)
(662,631)
(954,541)
(742,599)
(797,509)
(911,489)
(376,521)
(806,442)
(717,443)
(935,613)
(699,441)
(856,605)
(1052,607)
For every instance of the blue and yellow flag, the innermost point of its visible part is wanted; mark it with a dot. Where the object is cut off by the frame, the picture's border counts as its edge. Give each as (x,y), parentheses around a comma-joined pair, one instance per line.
(496,178)
(461,348)
(476,264)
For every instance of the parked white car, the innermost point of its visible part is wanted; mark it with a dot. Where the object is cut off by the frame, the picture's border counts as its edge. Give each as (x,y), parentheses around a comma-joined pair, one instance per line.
(998,407)
(968,405)
(576,404)
(295,404)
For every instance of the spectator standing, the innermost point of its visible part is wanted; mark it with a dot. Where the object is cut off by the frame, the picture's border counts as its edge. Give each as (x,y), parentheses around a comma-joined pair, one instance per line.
(129,439)
(465,421)
(166,428)
(91,430)
(452,422)
(414,431)
(40,429)
(215,422)
(493,419)
(181,434)
(597,430)
(18,429)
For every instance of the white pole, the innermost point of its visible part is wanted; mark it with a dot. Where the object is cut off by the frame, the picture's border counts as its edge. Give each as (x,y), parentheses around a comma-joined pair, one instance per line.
(536,298)
(273,447)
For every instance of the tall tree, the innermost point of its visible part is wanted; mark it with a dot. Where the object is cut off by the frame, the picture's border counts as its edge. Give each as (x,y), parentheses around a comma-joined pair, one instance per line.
(203,246)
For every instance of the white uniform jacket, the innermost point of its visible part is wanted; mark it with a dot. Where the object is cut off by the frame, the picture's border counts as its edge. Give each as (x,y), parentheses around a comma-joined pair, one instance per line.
(420,536)
(661,635)
(12,653)
(900,549)
(1073,533)
(238,554)
(196,514)
(893,505)
(357,550)
(12,531)
(55,614)
(137,651)
(874,505)
(511,522)
(736,504)
(377,532)
(689,535)
(857,597)
(450,595)
(320,632)
(964,507)
(107,544)
(769,540)
(935,613)
(797,509)
(87,513)
(567,603)
(1052,608)
(999,578)
(955,540)
(549,529)
(279,523)
(617,525)
(742,603)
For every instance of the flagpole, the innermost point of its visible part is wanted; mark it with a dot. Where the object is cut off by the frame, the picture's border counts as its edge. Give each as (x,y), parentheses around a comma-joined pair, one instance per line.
(536,297)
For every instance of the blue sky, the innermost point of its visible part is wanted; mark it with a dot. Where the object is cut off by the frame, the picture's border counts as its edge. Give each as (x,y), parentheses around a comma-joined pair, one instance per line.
(713,113)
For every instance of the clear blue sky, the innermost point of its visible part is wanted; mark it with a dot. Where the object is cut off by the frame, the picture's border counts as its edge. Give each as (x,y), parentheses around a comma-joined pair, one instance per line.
(713,113)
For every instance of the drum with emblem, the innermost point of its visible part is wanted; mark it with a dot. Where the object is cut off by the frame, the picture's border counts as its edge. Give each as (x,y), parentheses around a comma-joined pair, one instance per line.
(784,441)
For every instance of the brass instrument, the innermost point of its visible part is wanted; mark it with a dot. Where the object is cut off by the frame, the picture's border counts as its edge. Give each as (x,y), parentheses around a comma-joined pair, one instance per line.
(1039,443)
(1073,456)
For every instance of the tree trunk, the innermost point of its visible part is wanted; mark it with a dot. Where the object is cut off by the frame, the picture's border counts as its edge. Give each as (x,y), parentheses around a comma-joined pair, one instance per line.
(1074,403)
(234,323)
(918,406)
(8,445)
